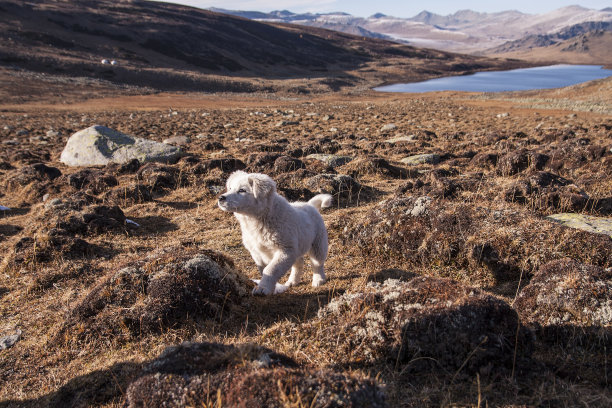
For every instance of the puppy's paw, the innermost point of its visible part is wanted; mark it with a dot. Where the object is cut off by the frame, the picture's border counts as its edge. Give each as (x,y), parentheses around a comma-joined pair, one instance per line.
(290,283)
(280,288)
(317,281)
(260,290)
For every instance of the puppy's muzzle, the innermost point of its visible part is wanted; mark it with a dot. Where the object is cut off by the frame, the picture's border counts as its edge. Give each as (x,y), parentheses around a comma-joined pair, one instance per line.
(222,198)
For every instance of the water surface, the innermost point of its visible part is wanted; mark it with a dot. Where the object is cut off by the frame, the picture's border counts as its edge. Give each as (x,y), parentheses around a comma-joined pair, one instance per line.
(554,76)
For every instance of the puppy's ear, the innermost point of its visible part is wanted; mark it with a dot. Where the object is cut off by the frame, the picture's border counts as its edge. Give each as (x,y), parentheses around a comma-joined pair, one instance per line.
(235,175)
(262,185)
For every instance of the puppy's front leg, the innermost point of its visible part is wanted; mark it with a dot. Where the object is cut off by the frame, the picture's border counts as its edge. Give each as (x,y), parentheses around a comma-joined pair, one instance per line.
(278,266)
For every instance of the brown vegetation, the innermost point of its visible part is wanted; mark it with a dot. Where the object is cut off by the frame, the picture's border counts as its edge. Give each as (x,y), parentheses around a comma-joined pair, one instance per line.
(483,303)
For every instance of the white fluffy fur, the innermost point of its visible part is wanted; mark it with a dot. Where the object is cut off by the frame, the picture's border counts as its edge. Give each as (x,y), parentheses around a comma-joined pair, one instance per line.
(277,234)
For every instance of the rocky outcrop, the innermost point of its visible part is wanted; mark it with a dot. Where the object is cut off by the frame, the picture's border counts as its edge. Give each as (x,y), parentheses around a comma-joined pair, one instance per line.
(99,145)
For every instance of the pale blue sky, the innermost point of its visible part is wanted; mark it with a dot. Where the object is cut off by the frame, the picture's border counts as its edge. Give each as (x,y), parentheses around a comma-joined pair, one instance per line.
(395,7)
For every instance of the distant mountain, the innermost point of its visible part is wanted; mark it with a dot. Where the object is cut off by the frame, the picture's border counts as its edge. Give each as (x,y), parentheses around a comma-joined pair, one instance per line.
(464,31)
(586,43)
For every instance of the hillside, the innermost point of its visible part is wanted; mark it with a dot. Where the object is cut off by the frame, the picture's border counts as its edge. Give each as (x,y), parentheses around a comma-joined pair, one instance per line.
(173,47)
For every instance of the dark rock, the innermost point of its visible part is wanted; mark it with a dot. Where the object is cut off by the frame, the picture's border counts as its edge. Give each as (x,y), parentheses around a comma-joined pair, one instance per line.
(130,167)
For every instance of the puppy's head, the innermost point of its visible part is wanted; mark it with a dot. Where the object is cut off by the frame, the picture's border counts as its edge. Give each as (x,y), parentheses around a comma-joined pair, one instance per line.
(247,193)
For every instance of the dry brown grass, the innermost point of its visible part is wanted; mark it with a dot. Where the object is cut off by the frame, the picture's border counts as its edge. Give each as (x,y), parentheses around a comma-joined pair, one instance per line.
(470,234)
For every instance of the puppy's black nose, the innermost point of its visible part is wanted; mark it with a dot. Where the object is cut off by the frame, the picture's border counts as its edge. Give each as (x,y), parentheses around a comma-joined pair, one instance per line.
(222,198)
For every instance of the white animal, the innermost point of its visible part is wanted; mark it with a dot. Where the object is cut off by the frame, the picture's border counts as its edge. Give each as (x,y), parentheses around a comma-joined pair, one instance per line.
(277,234)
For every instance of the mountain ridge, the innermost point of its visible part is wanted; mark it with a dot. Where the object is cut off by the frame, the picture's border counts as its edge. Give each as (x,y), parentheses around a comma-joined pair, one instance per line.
(464,31)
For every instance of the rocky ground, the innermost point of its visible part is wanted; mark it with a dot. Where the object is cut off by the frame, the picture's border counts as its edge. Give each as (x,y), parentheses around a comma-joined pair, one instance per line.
(125,285)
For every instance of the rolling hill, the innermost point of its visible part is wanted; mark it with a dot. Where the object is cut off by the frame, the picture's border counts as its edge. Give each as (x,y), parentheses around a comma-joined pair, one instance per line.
(173,47)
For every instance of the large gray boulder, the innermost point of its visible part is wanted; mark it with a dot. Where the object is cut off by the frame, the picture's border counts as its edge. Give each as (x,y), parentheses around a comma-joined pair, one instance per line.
(98,145)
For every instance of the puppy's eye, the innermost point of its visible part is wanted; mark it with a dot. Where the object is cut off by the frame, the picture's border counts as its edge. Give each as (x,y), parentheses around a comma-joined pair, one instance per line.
(242,190)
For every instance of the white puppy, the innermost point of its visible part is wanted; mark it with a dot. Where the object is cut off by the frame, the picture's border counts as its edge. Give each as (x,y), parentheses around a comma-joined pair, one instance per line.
(276,233)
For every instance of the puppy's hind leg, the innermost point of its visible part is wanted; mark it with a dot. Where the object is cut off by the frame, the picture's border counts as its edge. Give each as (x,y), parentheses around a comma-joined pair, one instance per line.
(317,255)
(318,274)
(296,272)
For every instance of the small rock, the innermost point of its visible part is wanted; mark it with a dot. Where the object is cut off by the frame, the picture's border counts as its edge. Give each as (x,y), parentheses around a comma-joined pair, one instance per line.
(22,132)
(3,208)
(388,127)
(177,140)
(331,160)
(599,225)
(402,138)
(228,125)
(421,159)
(286,123)
(420,206)
(9,341)
(503,115)
(327,117)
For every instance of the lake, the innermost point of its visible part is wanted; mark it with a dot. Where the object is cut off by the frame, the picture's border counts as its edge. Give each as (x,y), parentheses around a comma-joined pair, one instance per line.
(554,76)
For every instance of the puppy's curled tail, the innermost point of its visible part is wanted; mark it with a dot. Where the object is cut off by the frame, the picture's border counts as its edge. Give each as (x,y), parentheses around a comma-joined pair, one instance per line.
(321,201)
